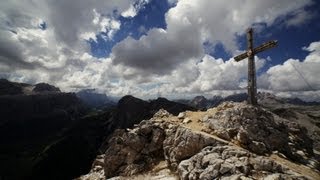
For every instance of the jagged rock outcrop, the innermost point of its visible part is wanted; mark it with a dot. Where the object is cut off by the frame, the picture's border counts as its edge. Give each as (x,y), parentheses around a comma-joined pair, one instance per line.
(134,151)
(251,147)
(229,162)
(182,143)
(257,130)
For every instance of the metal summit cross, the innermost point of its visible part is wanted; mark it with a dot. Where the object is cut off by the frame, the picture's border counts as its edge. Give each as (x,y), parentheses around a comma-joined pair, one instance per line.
(251,51)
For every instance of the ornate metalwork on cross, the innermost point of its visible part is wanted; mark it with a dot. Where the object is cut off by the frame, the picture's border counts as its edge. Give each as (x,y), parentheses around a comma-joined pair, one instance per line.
(250,53)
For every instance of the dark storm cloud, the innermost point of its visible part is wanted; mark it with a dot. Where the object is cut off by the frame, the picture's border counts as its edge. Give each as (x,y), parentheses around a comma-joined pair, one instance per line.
(11,53)
(159,52)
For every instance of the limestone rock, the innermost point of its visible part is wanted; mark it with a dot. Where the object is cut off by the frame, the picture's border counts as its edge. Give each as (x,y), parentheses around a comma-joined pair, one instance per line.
(256,130)
(228,162)
(186,121)
(184,143)
(132,152)
(161,114)
(181,115)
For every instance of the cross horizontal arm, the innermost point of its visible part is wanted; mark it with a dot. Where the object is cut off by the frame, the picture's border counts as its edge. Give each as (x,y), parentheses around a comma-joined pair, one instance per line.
(265,46)
(241,56)
(257,50)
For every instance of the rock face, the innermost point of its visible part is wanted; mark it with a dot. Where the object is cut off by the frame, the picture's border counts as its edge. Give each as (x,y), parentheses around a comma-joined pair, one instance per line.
(134,151)
(182,143)
(257,130)
(227,162)
(257,145)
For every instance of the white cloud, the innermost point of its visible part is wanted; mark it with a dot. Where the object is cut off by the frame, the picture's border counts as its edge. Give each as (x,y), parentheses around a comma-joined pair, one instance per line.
(165,61)
(190,24)
(225,20)
(216,74)
(297,75)
(134,8)
(130,12)
(299,17)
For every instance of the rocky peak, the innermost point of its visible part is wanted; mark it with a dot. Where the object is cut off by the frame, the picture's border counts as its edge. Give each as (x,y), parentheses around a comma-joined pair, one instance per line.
(232,141)
(129,101)
(170,106)
(199,102)
(10,88)
(44,87)
(260,131)
(131,110)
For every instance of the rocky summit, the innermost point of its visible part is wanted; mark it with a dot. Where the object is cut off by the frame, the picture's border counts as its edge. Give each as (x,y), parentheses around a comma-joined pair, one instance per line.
(231,141)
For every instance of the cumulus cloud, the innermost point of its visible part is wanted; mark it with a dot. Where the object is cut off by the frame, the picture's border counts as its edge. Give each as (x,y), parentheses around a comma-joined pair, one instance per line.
(299,17)
(190,24)
(159,51)
(32,54)
(167,61)
(297,75)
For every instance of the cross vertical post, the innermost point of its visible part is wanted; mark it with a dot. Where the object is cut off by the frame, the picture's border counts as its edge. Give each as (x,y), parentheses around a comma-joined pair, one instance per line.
(251,51)
(252,83)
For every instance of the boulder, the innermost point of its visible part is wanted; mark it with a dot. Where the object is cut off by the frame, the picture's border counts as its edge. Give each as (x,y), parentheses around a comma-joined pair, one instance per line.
(228,162)
(184,143)
(181,115)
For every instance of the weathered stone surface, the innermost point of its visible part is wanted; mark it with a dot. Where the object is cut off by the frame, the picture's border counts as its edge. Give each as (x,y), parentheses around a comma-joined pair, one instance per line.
(256,130)
(161,114)
(186,121)
(181,115)
(184,143)
(193,154)
(134,151)
(228,162)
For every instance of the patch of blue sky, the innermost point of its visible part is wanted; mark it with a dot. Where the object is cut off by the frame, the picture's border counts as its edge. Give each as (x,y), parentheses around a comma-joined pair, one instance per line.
(43,26)
(152,15)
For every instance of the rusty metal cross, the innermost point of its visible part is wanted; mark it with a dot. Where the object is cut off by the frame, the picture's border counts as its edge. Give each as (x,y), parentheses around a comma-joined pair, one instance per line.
(251,51)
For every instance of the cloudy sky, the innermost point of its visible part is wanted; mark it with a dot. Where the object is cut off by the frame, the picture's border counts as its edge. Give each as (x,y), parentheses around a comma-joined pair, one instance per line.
(171,48)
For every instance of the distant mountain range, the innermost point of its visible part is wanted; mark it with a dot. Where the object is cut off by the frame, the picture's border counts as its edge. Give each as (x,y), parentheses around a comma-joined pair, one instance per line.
(95,99)
(202,103)
(14,88)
